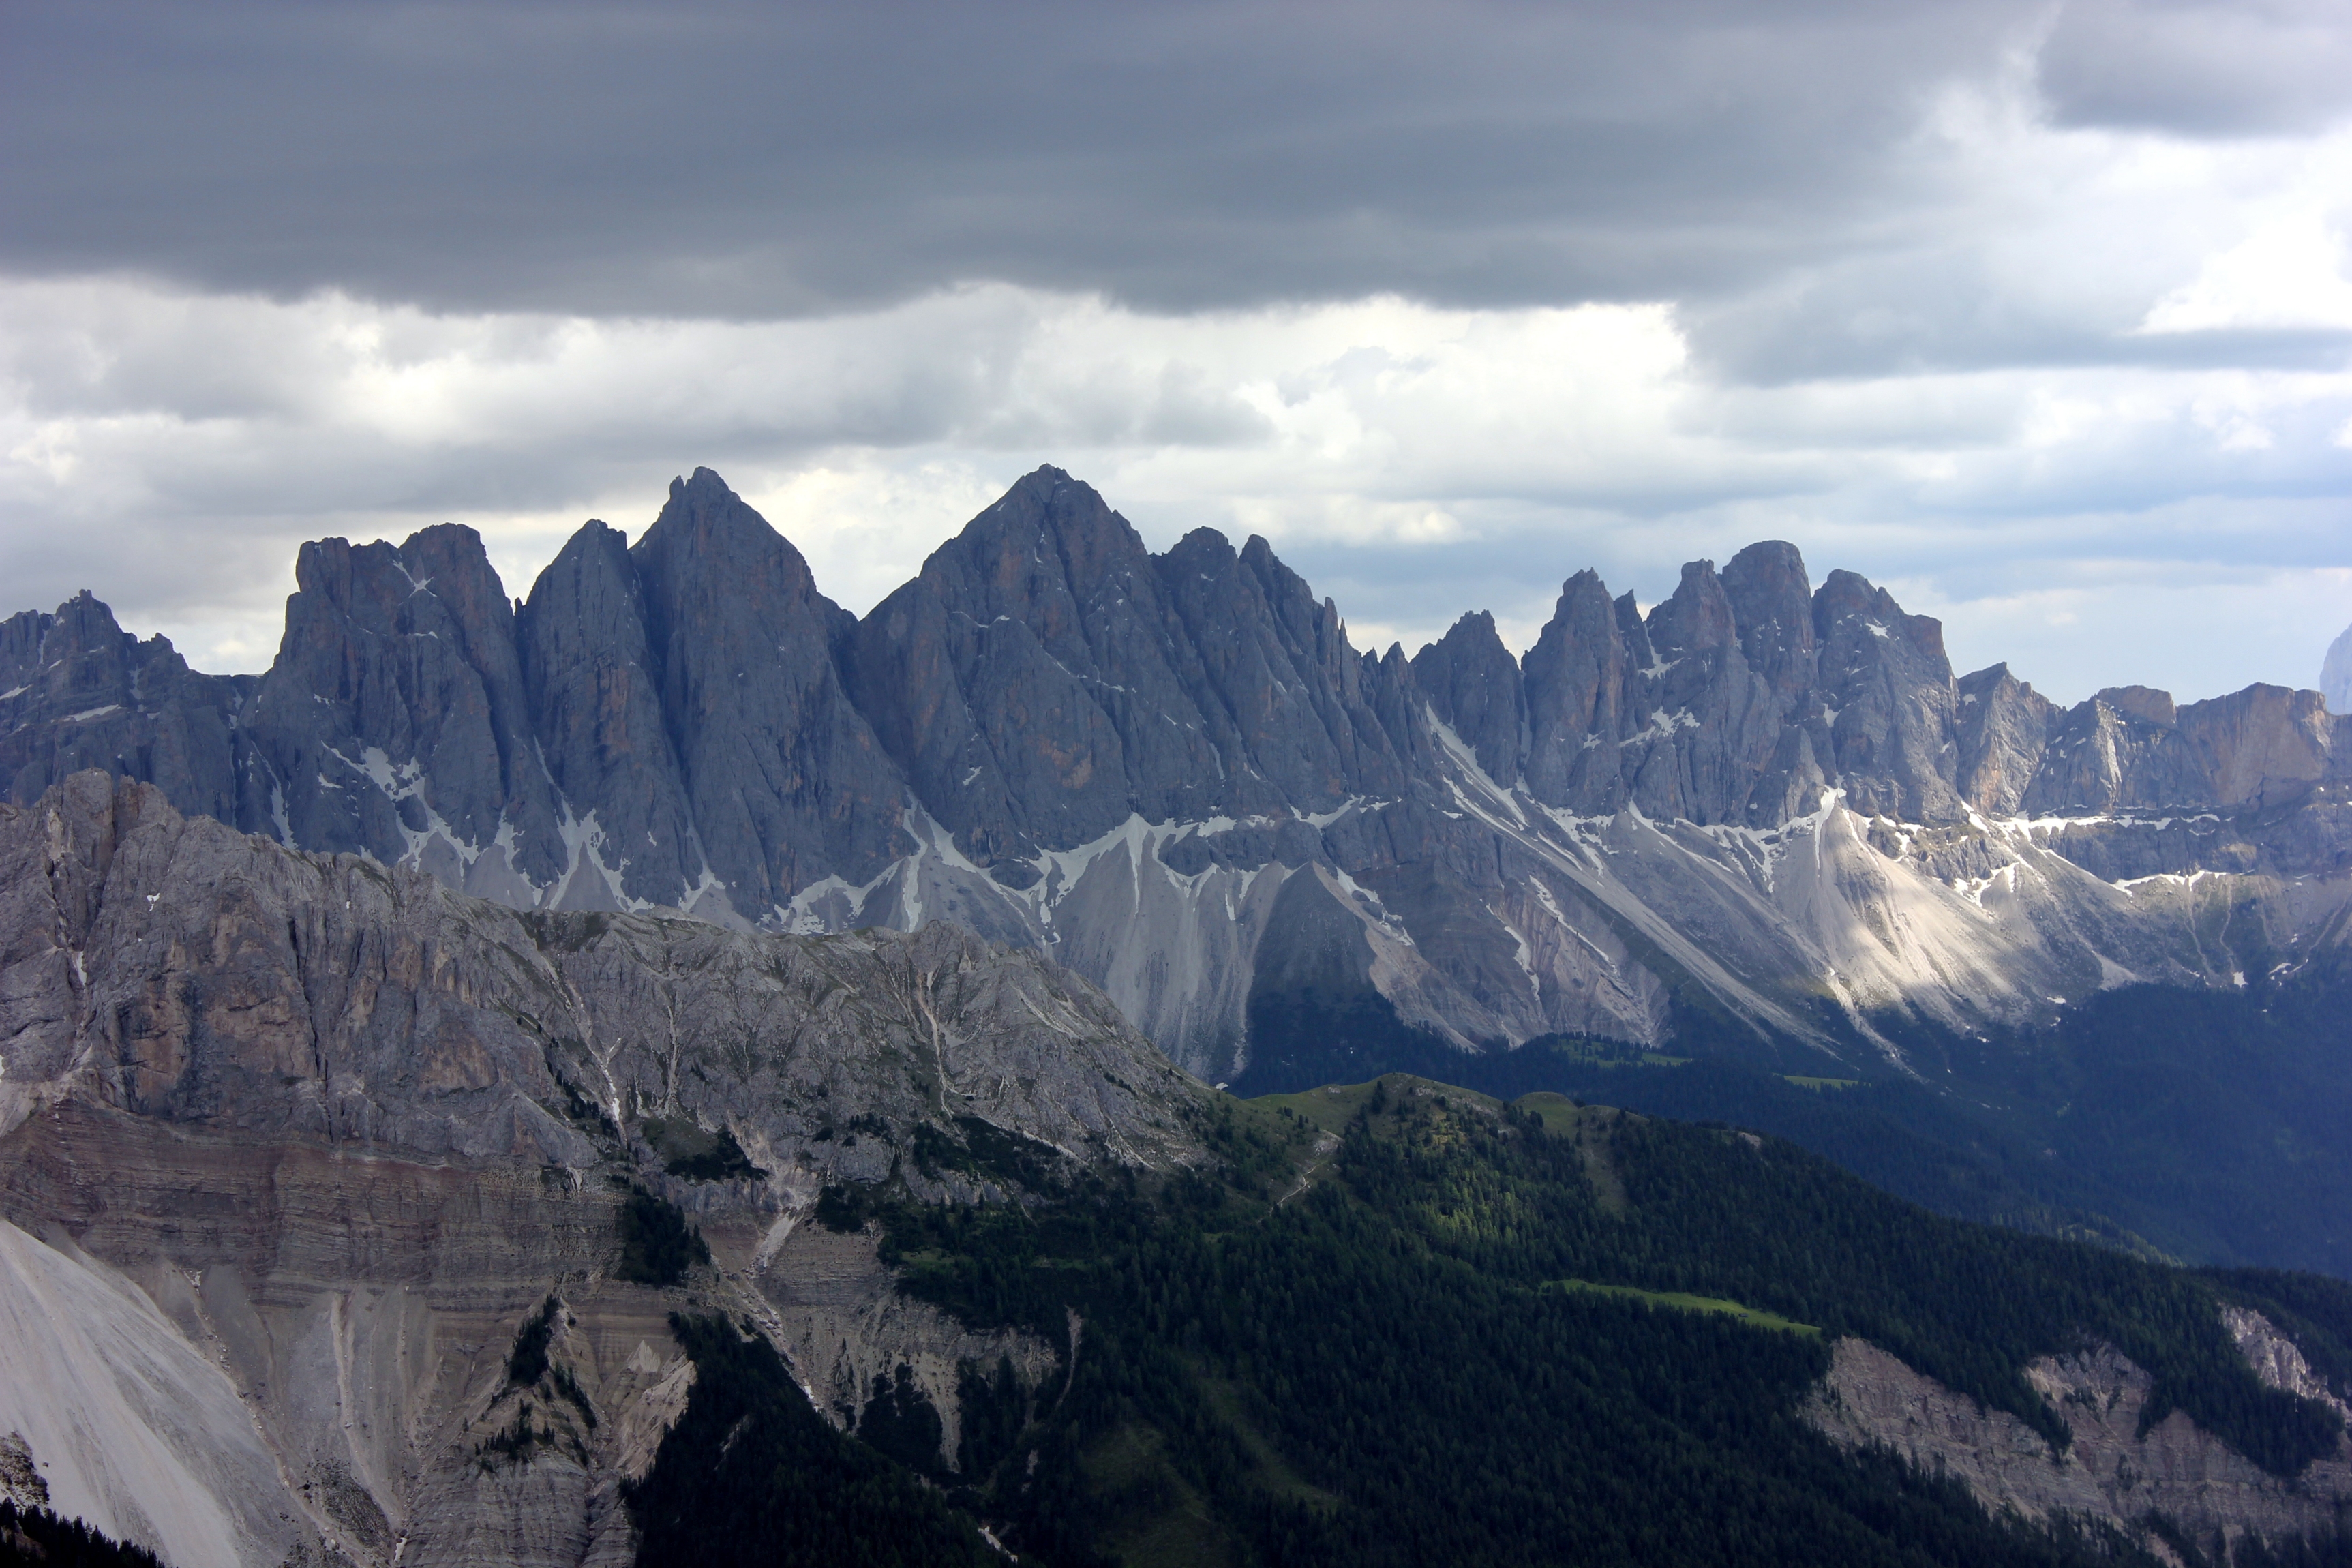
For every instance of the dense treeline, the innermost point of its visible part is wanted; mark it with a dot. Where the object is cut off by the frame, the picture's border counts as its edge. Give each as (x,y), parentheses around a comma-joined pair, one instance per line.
(1374,1371)
(36,1538)
(1714,1213)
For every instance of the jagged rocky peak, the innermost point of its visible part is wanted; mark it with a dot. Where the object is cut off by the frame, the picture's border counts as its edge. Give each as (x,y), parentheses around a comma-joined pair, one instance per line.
(1886,678)
(1772,603)
(77,691)
(75,655)
(1575,682)
(1695,618)
(1666,712)
(1473,684)
(1738,698)
(1702,726)
(1045,678)
(786,780)
(1019,679)
(595,697)
(395,721)
(2004,730)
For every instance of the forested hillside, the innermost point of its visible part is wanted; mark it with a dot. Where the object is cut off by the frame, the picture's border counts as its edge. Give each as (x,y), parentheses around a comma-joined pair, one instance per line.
(2203,1126)
(1411,1325)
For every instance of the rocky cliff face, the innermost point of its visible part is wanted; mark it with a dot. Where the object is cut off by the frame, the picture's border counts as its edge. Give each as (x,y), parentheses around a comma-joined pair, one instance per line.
(311,1137)
(2174,1474)
(1772,798)
(76,691)
(2335,674)
(179,970)
(784,778)
(1046,679)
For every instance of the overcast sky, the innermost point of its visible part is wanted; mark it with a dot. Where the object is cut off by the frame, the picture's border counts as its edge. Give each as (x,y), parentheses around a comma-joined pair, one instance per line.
(2039,313)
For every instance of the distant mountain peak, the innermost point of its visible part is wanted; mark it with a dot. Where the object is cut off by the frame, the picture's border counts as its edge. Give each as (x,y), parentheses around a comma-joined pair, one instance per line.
(2335,674)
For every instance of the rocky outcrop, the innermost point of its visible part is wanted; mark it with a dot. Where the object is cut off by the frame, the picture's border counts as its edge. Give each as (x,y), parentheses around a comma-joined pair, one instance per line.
(20,1473)
(2174,1473)
(76,691)
(2004,733)
(841,1318)
(2279,1363)
(2335,674)
(784,778)
(310,1137)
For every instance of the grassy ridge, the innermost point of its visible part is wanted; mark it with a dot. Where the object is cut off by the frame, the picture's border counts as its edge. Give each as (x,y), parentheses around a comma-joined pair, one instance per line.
(1683,1301)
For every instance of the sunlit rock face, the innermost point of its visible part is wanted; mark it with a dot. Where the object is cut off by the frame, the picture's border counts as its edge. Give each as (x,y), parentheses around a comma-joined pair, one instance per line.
(1766,795)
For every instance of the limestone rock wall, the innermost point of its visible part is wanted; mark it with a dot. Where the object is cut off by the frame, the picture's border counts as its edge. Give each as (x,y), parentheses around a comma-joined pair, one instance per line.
(2109,1471)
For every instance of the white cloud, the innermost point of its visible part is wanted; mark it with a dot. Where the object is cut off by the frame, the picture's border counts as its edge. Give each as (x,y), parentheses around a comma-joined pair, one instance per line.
(168,450)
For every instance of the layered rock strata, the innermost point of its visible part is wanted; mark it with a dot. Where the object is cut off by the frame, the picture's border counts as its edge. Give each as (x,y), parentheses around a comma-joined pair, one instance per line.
(292,1145)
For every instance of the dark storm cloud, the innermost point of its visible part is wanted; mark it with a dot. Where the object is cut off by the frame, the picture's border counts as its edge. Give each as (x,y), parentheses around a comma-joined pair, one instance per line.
(710,159)
(2256,66)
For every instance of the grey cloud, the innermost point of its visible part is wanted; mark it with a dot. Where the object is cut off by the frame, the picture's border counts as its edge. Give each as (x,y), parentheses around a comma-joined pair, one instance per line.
(1942,310)
(764,161)
(2200,70)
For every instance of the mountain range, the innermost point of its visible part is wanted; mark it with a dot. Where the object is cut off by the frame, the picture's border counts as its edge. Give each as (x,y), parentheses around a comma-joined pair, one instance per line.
(1762,816)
